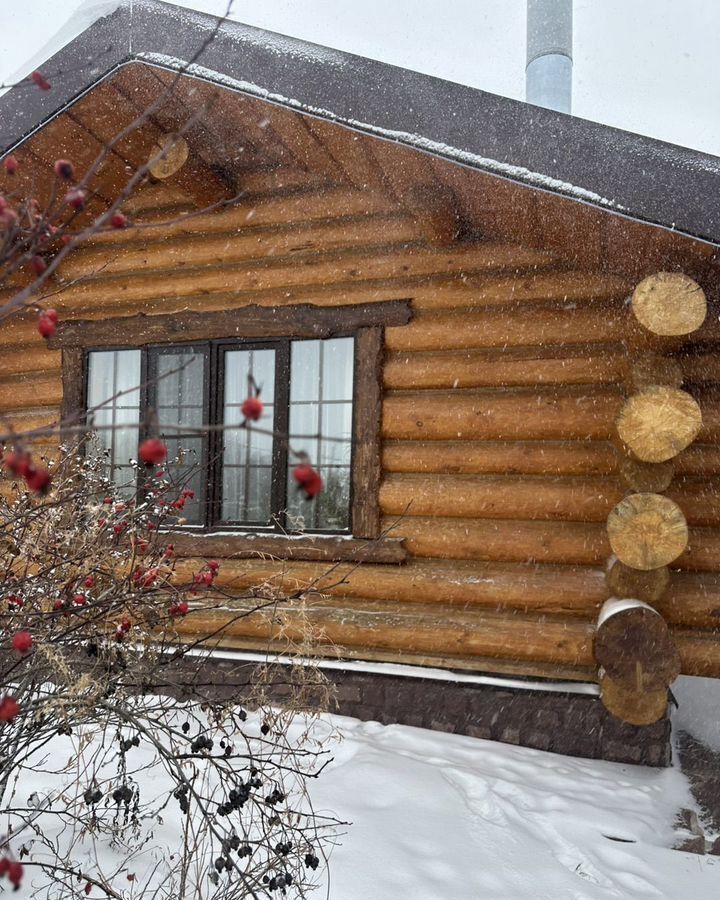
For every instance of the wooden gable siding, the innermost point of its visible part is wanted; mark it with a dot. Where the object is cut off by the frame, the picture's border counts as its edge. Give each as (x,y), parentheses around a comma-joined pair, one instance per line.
(498,416)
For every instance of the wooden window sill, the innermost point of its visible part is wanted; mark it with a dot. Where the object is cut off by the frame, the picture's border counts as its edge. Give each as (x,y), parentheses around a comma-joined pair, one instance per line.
(307,548)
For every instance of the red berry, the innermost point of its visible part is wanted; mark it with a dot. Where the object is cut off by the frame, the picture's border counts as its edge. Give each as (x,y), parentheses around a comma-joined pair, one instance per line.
(9,708)
(169,550)
(58,604)
(125,625)
(39,79)
(89,581)
(38,264)
(76,198)
(45,323)
(38,479)
(11,164)
(252,408)
(15,874)
(14,602)
(8,218)
(118,220)
(18,463)
(214,565)
(79,599)
(179,609)
(153,451)
(4,866)
(22,642)
(308,480)
(63,168)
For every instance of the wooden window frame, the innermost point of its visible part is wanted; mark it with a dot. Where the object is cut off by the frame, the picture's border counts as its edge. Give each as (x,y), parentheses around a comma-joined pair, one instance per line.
(367,322)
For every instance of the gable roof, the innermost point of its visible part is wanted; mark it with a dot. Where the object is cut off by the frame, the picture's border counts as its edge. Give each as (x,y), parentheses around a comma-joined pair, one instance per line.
(635,176)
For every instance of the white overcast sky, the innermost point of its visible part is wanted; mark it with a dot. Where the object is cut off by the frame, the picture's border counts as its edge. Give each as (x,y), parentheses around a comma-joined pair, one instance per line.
(649,66)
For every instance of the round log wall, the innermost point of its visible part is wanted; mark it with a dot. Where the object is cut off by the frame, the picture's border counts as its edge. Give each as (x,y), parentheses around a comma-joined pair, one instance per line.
(503,399)
(648,531)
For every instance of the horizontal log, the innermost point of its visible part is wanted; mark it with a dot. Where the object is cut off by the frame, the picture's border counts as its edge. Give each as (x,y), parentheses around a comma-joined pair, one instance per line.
(564,590)
(420,629)
(309,268)
(138,252)
(470,369)
(699,651)
(570,543)
(250,322)
(26,391)
(29,361)
(474,664)
(323,548)
(702,553)
(428,292)
(691,599)
(698,498)
(509,458)
(643,477)
(500,497)
(26,422)
(653,370)
(259,209)
(701,368)
(710,431)
(698,459)
(528,326)
(573,543)
(583,414)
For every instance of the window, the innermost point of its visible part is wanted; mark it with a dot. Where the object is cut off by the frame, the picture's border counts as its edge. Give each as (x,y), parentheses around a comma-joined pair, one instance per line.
(241,477)
(320,369)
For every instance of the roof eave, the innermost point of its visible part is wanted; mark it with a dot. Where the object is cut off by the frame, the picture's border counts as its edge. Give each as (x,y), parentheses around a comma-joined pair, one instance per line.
(632,175)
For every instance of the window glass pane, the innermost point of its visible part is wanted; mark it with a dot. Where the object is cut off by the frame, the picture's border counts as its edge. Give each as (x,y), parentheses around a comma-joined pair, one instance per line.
(111,372)
(321,393)
(338,360)
(247,452)
(180,386)
(187,472)
(305,370)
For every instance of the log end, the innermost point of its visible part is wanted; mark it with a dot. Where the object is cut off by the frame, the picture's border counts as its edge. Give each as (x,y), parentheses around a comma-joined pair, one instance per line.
(631,706)
(669,304)
(647,531)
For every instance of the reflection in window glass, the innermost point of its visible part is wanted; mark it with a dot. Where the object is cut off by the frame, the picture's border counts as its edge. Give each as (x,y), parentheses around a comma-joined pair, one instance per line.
(178,378)
(111,372)
(321,394)
(247,453)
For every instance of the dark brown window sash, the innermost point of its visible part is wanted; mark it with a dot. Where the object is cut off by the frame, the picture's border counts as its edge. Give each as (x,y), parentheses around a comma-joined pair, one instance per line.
(367,321)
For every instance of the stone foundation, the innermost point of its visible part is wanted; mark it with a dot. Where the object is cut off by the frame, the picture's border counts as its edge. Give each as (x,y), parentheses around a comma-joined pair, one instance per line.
(574,724)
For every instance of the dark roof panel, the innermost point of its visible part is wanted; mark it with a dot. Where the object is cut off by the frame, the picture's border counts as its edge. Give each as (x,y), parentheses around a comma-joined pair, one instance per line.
(634,175)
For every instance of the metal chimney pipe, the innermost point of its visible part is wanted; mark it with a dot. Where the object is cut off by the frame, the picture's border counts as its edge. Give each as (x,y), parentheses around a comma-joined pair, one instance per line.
(548,73)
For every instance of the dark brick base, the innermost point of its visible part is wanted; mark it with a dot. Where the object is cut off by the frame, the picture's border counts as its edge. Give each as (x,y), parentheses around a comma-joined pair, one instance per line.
(568,723)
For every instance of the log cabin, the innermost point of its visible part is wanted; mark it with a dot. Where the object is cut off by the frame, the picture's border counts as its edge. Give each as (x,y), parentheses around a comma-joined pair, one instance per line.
(497,326)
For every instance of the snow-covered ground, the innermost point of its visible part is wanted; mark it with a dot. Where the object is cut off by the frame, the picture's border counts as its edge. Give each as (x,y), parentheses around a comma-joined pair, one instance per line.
(448,817)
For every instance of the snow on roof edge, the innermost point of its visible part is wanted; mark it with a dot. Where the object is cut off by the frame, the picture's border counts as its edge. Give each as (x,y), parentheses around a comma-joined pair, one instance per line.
(435,148)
